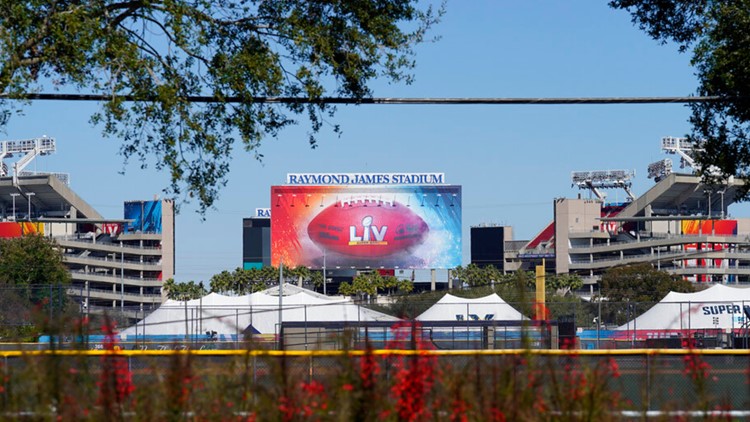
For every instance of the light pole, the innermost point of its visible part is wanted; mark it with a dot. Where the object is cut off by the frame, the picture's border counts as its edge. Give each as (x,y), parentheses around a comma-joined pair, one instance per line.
(13,195)
(281,297)
(29,195)
(324,272)
(709,202)
(599,320)
(122,280)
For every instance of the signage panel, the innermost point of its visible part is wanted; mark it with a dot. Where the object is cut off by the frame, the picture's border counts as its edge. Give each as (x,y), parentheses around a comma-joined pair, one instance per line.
(366,226)
(365,179)
(262,212)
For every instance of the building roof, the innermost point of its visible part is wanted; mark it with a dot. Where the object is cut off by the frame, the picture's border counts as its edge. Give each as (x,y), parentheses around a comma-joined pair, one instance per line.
(51,197)
(683,194)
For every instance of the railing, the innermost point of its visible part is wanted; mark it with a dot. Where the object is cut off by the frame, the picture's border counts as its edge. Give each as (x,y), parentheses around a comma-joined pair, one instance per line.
(81,292)
(115,261)
(113,278)
(88,240)
(684,238)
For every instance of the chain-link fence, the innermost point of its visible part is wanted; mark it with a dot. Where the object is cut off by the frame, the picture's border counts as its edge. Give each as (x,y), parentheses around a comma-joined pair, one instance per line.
(522,385)
(44,312)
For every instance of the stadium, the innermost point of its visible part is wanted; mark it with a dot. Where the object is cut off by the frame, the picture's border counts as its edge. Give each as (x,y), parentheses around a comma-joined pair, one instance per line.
(408,225)
(116,265)
(680,225)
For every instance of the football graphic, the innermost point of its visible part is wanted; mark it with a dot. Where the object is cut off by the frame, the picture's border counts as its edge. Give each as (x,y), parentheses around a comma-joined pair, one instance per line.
(367,228)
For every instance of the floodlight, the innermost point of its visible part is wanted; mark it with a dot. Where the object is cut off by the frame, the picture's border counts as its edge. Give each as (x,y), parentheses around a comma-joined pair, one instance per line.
(660,169)
(683,147)
(603,179)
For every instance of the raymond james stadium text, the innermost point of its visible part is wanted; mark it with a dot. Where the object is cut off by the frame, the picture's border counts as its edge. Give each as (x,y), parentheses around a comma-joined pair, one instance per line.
(366,179)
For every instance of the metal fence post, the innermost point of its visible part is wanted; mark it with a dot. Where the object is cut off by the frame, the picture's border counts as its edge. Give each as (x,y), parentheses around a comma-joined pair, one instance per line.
(648,382)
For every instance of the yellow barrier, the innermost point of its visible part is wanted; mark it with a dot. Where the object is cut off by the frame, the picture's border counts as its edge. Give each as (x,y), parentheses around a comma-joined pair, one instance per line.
(380,352)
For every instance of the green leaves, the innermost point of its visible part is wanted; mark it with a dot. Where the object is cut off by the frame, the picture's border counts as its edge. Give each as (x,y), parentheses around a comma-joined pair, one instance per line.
(31,260)
(717,33)
(241,281)
(161,53)
(184,291)
(33,281)
(640,283)
(369,284)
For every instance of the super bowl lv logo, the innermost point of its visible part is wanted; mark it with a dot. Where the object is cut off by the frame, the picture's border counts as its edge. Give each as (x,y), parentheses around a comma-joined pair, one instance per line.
(370,233)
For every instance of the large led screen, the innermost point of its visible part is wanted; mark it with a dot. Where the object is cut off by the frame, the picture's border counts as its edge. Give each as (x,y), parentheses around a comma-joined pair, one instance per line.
(366,226)
(146,216)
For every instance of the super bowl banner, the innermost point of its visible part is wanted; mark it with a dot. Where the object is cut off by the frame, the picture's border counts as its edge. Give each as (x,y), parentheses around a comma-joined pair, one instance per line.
(366,226)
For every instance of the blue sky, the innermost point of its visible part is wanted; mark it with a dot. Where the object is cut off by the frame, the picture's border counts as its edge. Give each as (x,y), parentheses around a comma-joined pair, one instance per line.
(511,160)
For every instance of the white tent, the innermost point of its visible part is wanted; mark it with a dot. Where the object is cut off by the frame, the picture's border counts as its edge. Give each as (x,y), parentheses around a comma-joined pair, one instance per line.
(718,307)
(228,317)
(491,307)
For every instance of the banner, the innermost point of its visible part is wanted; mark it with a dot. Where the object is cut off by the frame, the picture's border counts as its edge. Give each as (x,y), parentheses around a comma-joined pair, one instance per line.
(146,216)
(18,229)
(366,226)
(708,228)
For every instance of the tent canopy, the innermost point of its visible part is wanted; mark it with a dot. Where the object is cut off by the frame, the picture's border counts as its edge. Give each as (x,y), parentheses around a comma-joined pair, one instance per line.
(230,316)
(718,307)
(491,307)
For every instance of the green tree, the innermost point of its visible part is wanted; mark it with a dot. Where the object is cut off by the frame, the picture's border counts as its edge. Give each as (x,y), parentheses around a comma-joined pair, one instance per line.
(33,266)
(716,31)
(367,285)
(640,283)
(562,284)
(472,274)
(364,285)
(316,278)
(148,58)
(301,274)
(184,291)
(31,260)
(392,285)
(32,277)
(240,281)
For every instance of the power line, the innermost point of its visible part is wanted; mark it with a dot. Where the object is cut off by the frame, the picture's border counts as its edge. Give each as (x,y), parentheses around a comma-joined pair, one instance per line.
(383,100)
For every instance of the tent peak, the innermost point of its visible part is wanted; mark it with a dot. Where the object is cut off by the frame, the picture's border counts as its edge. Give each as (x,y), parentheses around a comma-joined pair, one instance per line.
(291,289)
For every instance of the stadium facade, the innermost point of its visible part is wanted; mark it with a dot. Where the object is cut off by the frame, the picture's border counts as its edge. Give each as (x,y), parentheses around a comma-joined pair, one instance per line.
(115,264)
(680,225)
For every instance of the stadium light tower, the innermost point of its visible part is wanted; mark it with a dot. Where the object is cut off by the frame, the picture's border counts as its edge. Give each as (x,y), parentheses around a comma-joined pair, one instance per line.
(683,147)
(660,169)
(604,179)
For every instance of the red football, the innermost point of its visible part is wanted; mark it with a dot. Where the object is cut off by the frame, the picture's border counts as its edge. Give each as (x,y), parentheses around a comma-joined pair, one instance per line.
(367,228)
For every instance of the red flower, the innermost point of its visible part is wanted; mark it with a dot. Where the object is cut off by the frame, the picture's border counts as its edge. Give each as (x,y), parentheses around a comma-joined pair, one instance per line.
(497,415)
(614,368)
(116,380)
(368,368)
(458,411)
(696,367)
(414,377)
